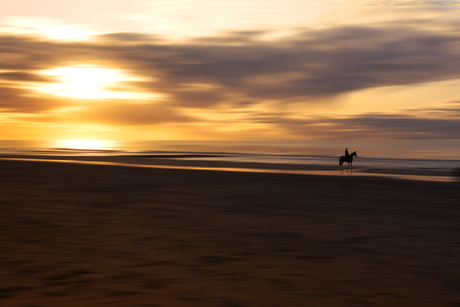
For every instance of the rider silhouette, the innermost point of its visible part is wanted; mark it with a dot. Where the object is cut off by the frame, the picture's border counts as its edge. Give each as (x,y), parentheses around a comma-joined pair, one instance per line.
(347,155)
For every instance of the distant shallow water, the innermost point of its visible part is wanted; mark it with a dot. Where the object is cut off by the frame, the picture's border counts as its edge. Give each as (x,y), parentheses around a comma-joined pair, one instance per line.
(403,149)
(431,155)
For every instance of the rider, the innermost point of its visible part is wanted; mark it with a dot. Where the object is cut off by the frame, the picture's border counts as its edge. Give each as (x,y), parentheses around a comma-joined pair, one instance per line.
(347,155)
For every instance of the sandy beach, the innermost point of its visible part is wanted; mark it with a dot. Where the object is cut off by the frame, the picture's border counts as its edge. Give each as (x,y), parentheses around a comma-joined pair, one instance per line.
(100,235)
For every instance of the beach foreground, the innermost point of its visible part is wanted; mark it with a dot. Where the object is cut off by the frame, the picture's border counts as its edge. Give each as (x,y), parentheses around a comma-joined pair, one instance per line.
(97,235)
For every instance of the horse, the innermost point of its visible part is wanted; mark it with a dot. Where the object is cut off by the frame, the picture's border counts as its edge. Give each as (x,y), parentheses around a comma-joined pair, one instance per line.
(350,159)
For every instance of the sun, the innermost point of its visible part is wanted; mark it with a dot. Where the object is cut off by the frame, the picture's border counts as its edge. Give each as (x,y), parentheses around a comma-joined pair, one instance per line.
(87,82)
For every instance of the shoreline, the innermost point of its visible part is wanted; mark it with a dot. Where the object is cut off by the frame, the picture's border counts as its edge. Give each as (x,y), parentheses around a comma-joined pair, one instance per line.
(182,162)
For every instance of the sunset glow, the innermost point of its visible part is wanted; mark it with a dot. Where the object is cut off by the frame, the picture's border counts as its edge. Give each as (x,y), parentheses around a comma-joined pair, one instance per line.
(84,144)
(226,70)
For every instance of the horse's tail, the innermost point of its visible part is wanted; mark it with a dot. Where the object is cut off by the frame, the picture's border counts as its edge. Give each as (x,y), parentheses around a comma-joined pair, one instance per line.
(341,159)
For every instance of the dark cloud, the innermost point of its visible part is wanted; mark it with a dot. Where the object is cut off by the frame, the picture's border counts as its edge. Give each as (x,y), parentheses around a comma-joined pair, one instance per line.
(27,53)
(24,77)
(25,101)
(232,37)
(195,98)
(309,65)
(416,124)
(129,37)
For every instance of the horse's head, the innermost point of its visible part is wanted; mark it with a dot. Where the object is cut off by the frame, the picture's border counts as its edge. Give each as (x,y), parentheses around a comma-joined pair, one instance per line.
(354,154)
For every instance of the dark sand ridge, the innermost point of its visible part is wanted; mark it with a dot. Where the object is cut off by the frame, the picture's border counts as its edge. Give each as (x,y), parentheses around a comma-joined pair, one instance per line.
(91,235)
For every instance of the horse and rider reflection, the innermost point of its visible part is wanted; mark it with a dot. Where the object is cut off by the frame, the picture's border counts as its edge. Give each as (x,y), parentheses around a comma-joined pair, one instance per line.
(346,183)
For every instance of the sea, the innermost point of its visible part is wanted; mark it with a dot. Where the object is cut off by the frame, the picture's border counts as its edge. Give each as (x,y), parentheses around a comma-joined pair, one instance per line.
(442,155)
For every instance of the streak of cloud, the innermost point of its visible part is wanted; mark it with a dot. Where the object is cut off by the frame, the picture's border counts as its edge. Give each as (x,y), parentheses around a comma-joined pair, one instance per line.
(179,3)
(305,66)
(414,124)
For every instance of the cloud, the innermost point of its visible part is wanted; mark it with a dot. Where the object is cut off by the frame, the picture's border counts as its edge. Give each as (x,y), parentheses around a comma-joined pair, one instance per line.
(23,77)
(305,66)
(128,38)
(309,65)
(428,123)
(131,114)
(18,100)
(242,70)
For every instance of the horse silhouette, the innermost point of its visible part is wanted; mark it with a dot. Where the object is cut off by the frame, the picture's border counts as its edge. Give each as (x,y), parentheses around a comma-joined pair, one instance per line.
(350,159)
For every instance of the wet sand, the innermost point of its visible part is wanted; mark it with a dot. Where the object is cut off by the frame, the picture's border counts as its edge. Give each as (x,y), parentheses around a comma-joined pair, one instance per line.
(98,235)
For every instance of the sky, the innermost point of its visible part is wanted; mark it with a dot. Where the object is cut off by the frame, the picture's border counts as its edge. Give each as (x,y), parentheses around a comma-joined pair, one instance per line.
(229,69)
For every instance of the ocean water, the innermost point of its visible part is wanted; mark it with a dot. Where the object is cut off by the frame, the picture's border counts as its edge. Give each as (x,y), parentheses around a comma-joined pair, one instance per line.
(422,155)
